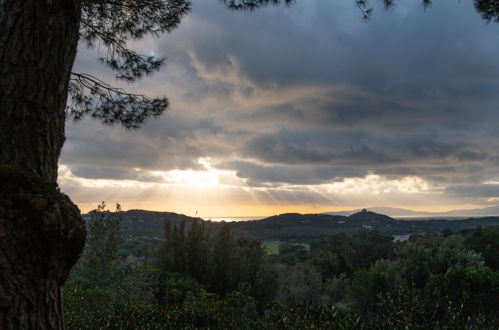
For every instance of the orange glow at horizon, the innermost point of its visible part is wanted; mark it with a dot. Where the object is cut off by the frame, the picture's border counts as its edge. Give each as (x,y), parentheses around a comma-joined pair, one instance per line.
(245,210)
(219,193)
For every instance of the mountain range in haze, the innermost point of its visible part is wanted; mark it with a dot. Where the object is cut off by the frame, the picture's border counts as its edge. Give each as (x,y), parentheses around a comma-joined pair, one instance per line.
(396,212)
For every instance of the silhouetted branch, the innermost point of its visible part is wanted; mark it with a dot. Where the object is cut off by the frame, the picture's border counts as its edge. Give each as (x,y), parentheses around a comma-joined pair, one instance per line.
(114,23)
(111,24)
(253,4)
(489,9)
(91,96)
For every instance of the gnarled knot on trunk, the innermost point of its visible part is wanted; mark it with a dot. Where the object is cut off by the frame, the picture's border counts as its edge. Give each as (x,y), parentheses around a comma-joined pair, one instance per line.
(36,218)
(42,235)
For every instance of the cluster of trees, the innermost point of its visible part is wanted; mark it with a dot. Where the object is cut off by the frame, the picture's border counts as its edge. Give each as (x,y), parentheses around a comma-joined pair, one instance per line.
(436,278)
(218,261)
(193,278)
(198,278)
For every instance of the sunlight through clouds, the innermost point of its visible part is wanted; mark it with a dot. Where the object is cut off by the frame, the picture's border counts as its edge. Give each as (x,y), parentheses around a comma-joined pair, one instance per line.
(303,109)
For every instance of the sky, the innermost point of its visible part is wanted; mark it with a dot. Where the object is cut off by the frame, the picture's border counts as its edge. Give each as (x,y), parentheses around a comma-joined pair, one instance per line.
(306,109)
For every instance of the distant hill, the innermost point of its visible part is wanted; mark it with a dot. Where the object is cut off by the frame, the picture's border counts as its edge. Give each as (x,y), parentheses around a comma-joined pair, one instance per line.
(150,224)
(396,212)
(295,226)
(310,226)
(371,217)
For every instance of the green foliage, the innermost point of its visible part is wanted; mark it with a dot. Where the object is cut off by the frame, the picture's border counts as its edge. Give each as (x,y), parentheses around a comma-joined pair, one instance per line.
(428,282)
(135,280)
(219,262)
(100,267)
(486,242)
(96,309)
(292,253)
(342,253)
(197,248)
(301,284)
(475,290)
(366,291)
(139,248)
(424,255)
(223,261)
(409,308)
(174,288)
(101,248)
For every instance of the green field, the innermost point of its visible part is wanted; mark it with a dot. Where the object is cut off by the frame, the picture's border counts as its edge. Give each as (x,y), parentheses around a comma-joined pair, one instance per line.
(272,247)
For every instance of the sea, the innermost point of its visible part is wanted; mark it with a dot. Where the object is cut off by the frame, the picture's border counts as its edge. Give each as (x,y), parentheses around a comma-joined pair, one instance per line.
(232,219)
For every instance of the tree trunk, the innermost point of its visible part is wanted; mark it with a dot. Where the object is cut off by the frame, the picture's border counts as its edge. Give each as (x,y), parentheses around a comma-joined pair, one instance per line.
(41,230)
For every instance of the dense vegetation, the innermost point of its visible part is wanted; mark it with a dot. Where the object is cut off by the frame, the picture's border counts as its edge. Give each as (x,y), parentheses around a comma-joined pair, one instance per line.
(197,278)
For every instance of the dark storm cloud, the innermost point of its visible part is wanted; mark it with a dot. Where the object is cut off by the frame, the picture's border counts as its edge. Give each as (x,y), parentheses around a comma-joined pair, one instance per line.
(359,147)
(406,52)
(477,190)
(446,174)
(260,175)
(433,155)
(127,150)
(318,147)
(311,94)
(471,155)
(113,173)
(171,143)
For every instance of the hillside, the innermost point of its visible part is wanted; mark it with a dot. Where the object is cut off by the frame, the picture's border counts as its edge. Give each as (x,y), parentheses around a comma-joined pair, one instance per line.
(294,226)
(313,226)
(396,212)
(150,224)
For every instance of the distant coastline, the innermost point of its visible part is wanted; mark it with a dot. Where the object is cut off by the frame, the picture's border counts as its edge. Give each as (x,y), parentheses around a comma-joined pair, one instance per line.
(232,219)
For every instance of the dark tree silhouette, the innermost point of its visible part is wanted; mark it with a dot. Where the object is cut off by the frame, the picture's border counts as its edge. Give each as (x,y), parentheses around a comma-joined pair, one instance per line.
(110,25)
(489,9)
(363,5)
(41,231)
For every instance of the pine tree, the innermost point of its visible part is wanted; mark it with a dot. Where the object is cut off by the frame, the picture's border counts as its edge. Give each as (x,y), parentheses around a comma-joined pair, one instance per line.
(41,230)
(222,265)
(101,249)
(197,252)
(164,259)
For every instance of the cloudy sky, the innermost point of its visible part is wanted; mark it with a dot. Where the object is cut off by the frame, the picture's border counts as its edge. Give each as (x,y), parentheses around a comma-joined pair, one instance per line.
(304,108)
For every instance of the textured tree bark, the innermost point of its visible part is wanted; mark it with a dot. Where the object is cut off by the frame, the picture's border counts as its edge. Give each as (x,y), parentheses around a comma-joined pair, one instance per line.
(41,231)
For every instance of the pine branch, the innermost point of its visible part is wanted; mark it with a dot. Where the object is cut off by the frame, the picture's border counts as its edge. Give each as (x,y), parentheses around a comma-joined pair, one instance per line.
(91,96)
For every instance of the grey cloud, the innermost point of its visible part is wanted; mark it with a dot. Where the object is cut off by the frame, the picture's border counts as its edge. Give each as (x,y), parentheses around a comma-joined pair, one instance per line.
(445,174)
(471,155)
(349,147)
(477,190)
(313,147)
(349,108)
(260,175)
(169,143)
(114,173)
(428,154)
(128,151)
(320,47)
